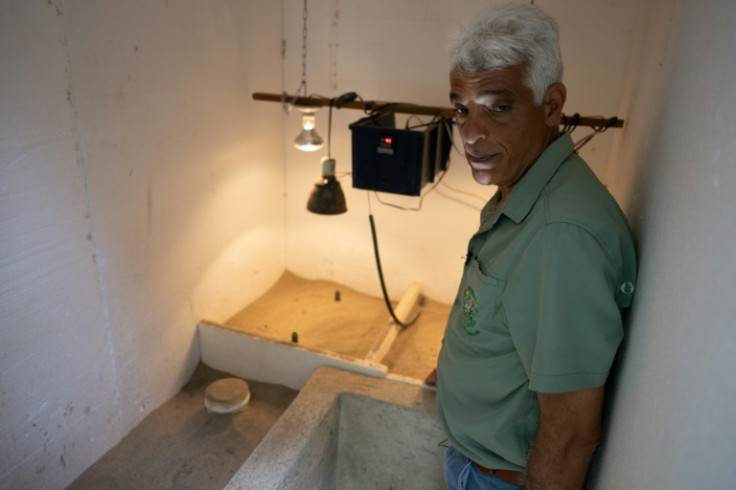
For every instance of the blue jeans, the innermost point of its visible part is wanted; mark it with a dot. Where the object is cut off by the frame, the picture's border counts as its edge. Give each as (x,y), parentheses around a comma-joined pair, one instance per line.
(461,474)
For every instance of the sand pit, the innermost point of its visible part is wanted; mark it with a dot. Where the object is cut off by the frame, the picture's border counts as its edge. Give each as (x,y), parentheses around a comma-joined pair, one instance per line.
(332,317)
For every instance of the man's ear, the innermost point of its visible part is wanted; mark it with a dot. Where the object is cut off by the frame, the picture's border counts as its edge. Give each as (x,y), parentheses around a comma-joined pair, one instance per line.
(552,103)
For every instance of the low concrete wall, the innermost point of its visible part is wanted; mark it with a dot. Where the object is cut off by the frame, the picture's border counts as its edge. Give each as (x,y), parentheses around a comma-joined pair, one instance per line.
(346,430)
(252,357)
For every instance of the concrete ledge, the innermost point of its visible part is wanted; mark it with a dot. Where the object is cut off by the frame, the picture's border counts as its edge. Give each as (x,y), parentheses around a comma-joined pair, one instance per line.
(346,430)
(251,357)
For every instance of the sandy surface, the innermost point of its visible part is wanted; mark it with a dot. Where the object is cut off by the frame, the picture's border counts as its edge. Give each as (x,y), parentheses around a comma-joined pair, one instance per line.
(332,317)
(180,445)
(414,352)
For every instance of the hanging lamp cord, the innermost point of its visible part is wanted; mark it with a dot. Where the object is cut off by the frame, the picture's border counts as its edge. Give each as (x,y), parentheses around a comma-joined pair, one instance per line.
(302,88)
(329,130)
(303,85)
(383,284)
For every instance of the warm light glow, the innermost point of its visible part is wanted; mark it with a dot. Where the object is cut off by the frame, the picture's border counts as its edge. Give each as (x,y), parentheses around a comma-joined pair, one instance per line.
(308,121)
(308,139)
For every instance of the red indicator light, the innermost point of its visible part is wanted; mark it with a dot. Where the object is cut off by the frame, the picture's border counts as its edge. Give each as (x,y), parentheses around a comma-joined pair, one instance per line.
(387,140)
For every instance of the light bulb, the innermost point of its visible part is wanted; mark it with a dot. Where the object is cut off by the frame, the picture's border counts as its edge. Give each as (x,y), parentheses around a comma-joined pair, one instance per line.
(308,139)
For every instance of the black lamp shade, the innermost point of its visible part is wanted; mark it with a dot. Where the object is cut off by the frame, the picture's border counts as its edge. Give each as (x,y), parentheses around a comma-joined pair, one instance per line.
(327,197)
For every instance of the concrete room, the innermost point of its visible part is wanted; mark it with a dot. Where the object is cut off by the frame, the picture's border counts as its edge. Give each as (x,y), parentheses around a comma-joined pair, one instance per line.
(142,190)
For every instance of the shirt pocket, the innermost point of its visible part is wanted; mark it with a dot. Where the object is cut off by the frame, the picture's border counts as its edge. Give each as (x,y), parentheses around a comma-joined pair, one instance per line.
(475,315)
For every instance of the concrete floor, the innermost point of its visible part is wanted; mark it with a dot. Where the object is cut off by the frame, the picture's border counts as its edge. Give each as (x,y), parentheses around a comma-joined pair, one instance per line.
(181,446)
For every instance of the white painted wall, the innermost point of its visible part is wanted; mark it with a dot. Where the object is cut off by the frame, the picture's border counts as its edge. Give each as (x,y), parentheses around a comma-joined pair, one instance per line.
(141,189)
(671,420)
(133,166)
(665,66)
(396,51)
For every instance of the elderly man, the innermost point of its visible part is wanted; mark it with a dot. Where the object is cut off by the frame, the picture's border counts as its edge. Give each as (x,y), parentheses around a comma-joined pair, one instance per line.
(537,319)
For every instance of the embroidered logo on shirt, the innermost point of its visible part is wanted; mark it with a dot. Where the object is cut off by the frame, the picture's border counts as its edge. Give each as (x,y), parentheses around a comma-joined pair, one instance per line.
(470,308)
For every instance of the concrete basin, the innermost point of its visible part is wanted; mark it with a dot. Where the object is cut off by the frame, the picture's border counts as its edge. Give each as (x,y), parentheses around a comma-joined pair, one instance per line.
(349,431)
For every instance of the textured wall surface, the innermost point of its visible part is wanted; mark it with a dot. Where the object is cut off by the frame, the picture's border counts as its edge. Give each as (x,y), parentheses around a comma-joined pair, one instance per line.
(396,51)
(671,421)
(141,189)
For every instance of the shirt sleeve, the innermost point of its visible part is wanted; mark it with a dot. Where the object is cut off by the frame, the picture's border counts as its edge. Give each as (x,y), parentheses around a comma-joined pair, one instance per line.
(561,309)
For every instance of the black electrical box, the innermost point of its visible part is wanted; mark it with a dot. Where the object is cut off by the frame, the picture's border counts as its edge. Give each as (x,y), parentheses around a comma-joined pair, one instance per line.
(401,161)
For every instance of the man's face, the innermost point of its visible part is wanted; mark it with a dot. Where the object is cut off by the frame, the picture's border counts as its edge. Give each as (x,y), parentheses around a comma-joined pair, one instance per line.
(502,129)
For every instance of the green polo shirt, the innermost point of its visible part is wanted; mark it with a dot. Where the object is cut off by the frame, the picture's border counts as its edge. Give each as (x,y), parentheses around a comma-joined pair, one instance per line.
(538,307)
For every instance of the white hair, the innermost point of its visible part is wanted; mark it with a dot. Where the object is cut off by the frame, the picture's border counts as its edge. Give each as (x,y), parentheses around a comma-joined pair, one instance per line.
(507,35)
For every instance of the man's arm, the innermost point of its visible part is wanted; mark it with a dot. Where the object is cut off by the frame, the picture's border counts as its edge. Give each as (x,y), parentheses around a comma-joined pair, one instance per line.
(569,432)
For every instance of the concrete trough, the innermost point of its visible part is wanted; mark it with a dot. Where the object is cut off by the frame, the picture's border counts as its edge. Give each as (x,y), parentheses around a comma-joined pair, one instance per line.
(349,431)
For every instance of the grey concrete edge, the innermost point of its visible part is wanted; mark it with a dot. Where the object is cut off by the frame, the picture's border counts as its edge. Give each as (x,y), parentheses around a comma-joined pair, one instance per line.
(282,447)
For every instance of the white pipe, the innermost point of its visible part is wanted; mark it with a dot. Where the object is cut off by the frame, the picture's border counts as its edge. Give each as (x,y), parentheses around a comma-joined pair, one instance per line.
(405,311)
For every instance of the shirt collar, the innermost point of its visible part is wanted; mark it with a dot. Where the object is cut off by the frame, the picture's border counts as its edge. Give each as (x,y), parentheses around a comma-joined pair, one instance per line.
(527,190)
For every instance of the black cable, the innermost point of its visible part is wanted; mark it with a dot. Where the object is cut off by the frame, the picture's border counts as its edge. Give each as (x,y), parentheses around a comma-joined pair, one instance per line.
(329,131)
(345,98)
(571,123)
(596,131)
(337,102)
(383,284)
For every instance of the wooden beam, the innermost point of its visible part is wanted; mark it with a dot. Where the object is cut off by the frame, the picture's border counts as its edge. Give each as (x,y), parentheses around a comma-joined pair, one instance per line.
(405,108)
